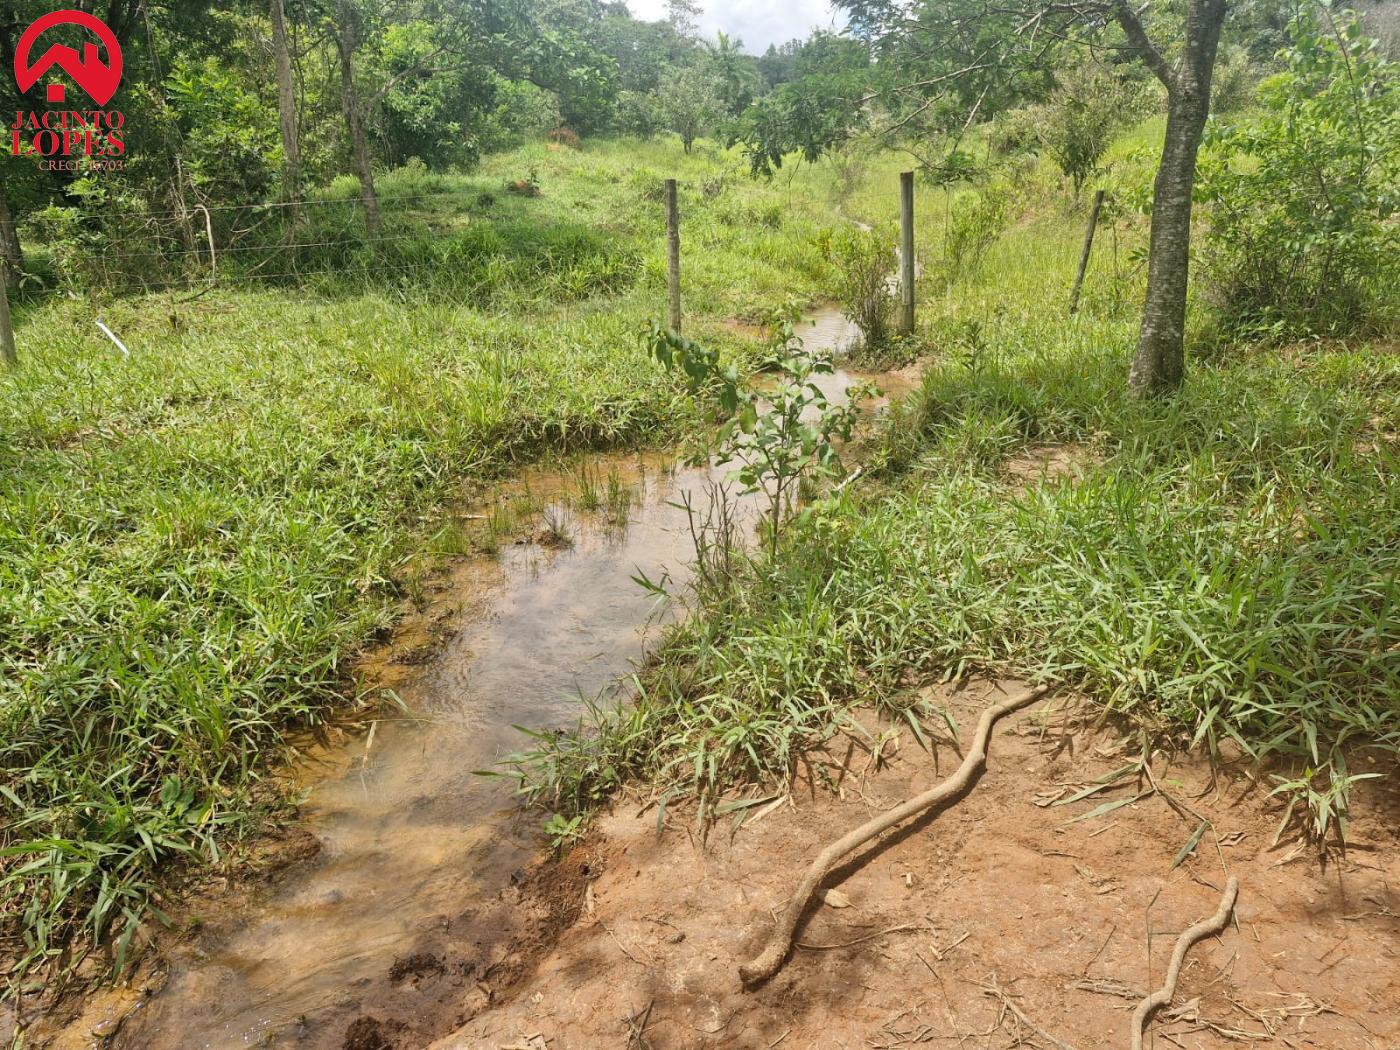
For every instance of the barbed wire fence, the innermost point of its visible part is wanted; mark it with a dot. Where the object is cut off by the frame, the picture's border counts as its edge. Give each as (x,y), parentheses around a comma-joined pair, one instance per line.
(242,243)
(111,252)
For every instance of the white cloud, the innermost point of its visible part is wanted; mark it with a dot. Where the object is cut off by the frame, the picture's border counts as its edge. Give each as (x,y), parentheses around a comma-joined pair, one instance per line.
(756,24)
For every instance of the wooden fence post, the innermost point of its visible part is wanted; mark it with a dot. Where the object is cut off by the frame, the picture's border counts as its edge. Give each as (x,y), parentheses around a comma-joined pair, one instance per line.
(673,255)
(1084,255)
(906,253)
(7,332)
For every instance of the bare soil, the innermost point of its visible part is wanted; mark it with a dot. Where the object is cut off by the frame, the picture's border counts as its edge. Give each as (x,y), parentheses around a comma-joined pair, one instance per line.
(1041,463)
(999,922)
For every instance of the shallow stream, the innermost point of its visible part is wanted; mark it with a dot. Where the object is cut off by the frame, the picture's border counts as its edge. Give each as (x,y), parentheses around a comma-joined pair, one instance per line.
(408,833)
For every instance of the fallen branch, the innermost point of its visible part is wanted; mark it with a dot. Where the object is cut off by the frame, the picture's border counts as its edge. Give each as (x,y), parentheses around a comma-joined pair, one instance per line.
(1206,928)
(858,940)
(768,962)
(1000,996)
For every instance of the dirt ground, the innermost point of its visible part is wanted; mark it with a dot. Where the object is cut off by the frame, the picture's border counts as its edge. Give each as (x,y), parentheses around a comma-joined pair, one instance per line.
(999,922)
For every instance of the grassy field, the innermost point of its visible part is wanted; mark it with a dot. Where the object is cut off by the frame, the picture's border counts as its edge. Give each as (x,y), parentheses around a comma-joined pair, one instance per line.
(196,539)
(1226,566)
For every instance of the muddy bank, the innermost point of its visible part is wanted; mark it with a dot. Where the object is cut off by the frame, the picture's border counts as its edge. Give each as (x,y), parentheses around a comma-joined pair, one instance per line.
(996,923)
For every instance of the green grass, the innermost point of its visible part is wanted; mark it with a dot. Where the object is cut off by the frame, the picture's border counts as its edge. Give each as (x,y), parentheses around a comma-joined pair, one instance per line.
(1227,568)
(196,540)
(596,229)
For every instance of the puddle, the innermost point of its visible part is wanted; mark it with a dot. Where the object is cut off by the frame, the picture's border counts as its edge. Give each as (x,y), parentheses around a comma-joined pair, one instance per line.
(409,835)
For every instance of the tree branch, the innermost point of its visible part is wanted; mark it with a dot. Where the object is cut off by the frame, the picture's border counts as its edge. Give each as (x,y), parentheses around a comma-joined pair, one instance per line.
(1142,43)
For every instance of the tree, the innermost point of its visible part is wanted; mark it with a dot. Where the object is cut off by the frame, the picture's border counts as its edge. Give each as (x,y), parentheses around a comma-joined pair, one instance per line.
(346,32)
(1086,110)
(778,65)
(11,254)
(287,113)
(684,16)
(689,103)
(1159,364)
(734,74)
(953,58)
(816,110)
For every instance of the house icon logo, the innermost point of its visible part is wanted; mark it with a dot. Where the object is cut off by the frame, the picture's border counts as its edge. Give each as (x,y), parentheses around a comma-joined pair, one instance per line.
(97,78)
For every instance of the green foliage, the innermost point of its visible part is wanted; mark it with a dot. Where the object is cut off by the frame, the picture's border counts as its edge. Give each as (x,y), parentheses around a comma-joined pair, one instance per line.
(1303,194)
(975,221)
(779,435)
(229,131)
(1234,86)
(735,76)
(1089,106)
(1323,794)
(639,114)
(814,113)
(563,831)
(864,262)
(689,103)
(521,113)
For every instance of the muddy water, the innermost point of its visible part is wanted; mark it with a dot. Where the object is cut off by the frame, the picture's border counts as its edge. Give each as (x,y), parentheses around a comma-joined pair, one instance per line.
(408,833)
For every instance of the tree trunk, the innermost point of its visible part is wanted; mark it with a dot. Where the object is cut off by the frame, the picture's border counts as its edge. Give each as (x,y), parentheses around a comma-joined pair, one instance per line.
(11,255)
(287,112)
(354,118)
(1160,362)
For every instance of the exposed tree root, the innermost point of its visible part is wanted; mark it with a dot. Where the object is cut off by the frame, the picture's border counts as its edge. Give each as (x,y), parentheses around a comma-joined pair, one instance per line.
(1206,928)
(770,960)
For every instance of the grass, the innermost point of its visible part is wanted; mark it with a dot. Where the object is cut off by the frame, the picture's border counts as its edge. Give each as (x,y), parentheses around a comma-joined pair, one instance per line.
(1228,567)
(197,539)
(594,230)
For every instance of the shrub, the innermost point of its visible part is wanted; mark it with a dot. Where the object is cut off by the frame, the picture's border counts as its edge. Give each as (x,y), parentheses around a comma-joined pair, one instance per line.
(522,113)
(776,438)
(639,114)
(1303,196)
(1234,83)
(864,261)
(975,222)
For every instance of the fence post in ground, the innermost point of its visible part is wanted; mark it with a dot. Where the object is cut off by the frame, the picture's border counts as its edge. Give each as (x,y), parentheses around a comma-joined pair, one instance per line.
(7,332)
(906,253)
(209,230)
(673,255)
(1084,255)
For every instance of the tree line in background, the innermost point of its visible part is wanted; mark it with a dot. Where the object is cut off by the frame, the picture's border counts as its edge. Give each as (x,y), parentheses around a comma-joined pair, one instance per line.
(254,102)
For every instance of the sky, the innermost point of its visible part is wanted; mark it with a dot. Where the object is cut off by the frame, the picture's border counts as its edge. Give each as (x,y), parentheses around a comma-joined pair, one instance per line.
(755,22)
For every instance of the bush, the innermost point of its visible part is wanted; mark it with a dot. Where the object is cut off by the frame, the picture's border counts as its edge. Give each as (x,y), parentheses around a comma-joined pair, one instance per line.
(975,222)
(864,261)
(1303,197)
(522,113)
(639,114)
(1234,84)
